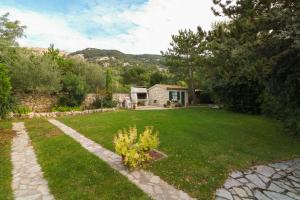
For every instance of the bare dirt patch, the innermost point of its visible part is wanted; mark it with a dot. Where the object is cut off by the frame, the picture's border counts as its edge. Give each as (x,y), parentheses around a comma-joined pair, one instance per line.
(157,155)
(5,136)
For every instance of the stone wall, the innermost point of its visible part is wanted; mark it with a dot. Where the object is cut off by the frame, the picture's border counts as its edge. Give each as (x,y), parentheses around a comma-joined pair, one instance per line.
(89,99)
(58,114)
(37,103)
(158,96)
(44,103)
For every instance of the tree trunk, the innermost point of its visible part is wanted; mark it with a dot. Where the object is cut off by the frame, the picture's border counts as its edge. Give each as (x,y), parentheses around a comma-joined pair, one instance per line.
(191,90)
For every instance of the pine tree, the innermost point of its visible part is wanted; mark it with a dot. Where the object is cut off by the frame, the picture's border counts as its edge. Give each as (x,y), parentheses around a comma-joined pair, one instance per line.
(185,56)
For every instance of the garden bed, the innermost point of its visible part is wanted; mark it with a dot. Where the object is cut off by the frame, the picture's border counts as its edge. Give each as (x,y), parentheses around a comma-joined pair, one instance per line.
(157,155)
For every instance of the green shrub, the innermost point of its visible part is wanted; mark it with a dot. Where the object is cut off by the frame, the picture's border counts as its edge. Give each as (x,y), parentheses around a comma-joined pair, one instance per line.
(105,102)
(31,73)
(240,96)
(6,102)
(74,89)
(148,140)
(22,110)
(135,152)
(65,109)
(6,107)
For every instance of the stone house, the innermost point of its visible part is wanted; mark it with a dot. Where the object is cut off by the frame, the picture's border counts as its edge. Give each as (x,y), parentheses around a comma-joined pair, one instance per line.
(160,94)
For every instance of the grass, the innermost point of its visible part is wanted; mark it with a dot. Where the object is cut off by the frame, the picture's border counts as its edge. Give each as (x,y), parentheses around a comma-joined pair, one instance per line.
(203,145)
(74,173)
(5,165)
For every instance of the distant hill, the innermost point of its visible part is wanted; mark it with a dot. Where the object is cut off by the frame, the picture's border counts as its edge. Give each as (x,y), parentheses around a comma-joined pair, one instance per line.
(118,58)
(39,50)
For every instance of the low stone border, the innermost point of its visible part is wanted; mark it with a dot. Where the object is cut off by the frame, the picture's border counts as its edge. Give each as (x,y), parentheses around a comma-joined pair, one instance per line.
(58,114)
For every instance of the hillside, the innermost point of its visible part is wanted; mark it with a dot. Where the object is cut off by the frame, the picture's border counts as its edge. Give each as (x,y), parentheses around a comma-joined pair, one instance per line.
(117,58)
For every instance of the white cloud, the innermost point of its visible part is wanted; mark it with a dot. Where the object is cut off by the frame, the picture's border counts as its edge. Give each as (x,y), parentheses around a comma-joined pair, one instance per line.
(155,22)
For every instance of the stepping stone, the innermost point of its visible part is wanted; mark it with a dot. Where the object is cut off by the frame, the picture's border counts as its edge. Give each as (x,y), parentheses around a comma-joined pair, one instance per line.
(275,188)
(277,196)
(265,170)
(260,196)
(279,166)
(277,175)
(248,191)
(294,178)
(224,194)
(283,185)
(256,180)
(231,183)
(263,178)
(236,174)
(243,180)
(240,192)
(293,195)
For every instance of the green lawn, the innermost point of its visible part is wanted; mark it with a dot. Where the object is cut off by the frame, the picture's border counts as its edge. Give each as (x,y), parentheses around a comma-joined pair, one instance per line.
(74,173)
(203,145)
(5,165)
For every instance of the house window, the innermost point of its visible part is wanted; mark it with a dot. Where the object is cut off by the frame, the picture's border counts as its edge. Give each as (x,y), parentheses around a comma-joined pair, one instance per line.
(174,96)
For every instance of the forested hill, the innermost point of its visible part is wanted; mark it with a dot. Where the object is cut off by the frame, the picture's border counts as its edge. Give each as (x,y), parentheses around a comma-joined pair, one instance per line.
(117,58)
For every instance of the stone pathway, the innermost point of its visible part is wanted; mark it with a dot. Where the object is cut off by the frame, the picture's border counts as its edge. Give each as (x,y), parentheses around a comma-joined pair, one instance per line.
(147,181)
(28,182)
(279,181)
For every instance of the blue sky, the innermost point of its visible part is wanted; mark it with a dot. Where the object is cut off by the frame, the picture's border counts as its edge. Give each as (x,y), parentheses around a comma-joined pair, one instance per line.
(59,6)
(132,26)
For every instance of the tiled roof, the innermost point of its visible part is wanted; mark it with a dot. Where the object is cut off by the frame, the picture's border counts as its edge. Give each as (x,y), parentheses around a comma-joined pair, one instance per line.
(170,87)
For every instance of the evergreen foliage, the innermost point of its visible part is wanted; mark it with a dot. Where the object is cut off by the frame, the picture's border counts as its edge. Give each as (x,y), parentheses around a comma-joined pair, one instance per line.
(5,89)
(185,56)
(74,90)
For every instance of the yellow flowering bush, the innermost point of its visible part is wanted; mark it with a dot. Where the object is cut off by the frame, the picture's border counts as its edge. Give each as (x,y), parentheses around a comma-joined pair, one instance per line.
(148,139)
(133,149)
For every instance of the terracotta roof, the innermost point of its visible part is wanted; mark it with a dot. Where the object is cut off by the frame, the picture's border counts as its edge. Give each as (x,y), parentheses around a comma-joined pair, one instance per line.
(170,87)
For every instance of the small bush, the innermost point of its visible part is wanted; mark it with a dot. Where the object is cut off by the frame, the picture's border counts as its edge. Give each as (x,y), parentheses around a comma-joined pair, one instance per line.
(74,89)
(6,101)
(134,150)
(22,110)
(6,107)
(65,109)
(104,103)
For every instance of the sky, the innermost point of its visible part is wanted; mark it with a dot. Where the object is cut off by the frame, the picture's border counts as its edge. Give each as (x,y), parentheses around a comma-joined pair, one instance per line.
(131,26)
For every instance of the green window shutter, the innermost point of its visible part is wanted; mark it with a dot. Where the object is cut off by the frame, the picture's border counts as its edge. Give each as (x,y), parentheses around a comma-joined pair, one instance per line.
(170,95)
(178,95)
